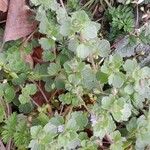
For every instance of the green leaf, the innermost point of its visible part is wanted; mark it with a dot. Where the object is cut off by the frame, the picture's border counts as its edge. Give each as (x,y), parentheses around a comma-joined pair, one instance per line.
(130,65)
(1,89)
(124,48)
(24,99)
(117,141)
(48,4)
(9,128)
(2,113)
(78,19)
(69,98)
(39,72)
(42,118)
(83,51)
(121,110)
(65,28)
(53,69)
(29,89)
(35,131)
(88,78)
(90,30)
(102,77)
(9,93)
(117,80)
(73,44)
(69,140)
(132,125)
(48,56)
(62,15)
(104,125)
(104,48)
(78,121)
(129,89)
(46,43)
(107,102)
(116,60)
(143,132)
(26,108)
(22,135)
(88,145)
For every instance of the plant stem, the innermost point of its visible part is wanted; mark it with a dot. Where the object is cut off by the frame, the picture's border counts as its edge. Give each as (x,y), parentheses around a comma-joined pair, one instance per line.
(62,4)
(61,110)
(3,21)
(89,3)
(35,103)
(137,16)
(43,94)
(108,4)
(93,63)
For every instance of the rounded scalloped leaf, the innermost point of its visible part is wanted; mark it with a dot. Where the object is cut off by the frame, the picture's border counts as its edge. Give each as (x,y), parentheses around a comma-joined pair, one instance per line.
(104,48)
(90,30)
(83,51)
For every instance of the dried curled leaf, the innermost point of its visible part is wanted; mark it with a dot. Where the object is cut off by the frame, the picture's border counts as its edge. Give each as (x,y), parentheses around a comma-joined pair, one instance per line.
(3,5)
(18,23)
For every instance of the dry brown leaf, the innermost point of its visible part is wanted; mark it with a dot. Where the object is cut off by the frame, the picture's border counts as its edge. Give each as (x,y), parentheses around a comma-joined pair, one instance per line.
(18,23)
(2,147)
(3,5)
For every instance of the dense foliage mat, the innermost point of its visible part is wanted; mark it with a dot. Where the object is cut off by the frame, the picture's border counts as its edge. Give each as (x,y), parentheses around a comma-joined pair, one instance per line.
(80,80)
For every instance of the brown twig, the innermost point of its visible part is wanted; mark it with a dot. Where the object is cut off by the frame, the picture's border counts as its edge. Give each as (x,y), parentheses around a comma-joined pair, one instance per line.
(3,21)
(108,4)
(93,63)
(62,4)
(137,16)
(61,110)
(29,37)
(35,103)
(43,94)
(95,10)
(68,110)
(9,111)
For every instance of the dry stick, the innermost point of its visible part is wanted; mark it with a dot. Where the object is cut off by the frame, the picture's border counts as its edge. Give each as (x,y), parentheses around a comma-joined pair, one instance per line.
(53,94)
(62,4)
(95,10)
(67,110)
(88,4)
(35,103)
(61,110)
(3,21)
(2,46)
(137,16)
(43,94)
(108,4)
(93,63)
(28,38)
(102,4)
(69,113)
(9,111)
(80,98)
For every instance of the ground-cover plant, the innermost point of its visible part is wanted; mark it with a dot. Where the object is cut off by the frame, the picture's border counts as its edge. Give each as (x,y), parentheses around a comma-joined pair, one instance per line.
(77,93)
